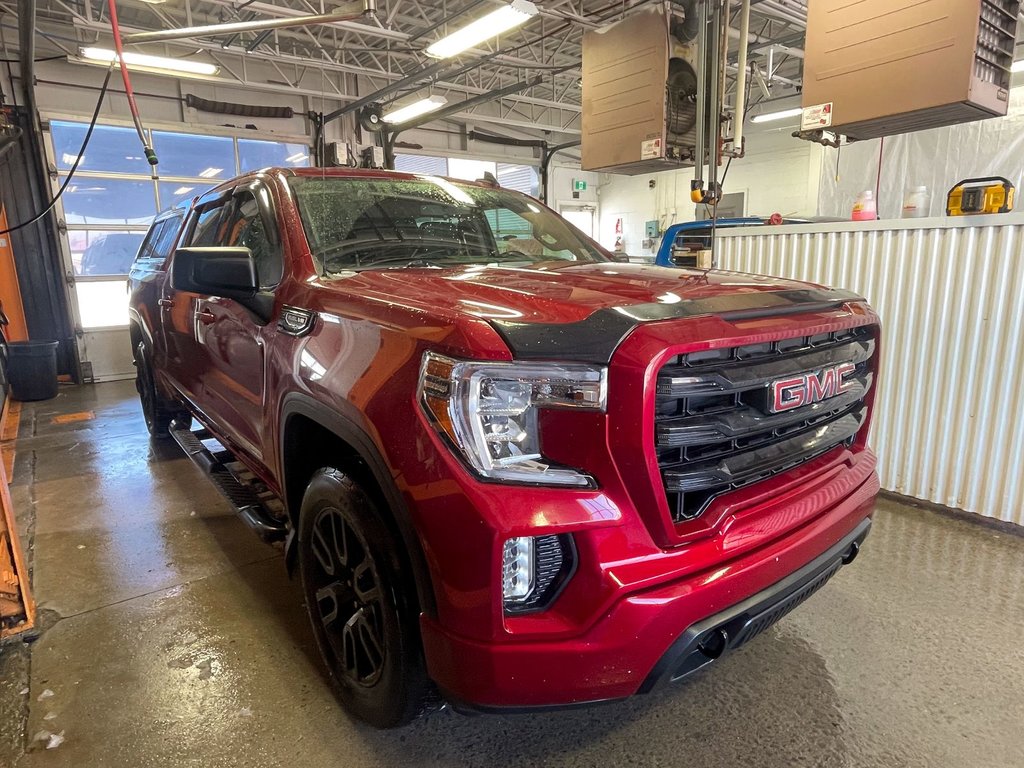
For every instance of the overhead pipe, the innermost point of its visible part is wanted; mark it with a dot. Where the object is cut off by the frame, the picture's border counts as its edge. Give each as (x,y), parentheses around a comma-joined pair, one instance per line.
(697,185)
(545,164)
(721,58)
(397,85)
(483,98)
(547,152)
(741,78)
(452,109)
(27,52)
(348,12)
(690,27)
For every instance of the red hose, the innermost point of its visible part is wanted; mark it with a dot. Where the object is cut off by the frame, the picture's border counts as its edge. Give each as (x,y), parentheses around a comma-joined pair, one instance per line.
(878,179)
(132,106)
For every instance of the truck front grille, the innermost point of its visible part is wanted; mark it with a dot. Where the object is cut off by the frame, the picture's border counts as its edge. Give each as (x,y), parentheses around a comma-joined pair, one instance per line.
(714,428)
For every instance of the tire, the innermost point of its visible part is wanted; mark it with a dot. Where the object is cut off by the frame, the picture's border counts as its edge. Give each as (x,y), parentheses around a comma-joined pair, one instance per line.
(157,411)
(360,602)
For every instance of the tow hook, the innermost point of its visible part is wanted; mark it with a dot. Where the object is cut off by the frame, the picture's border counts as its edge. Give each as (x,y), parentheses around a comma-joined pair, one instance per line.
(851,553)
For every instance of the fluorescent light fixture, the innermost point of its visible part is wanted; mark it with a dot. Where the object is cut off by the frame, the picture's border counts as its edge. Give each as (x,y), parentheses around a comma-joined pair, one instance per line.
(182,190)
(417,108)
(68,159)
(1018,66)
(298,157)
(493,24)
(769,117)
(181,66)
(209,173)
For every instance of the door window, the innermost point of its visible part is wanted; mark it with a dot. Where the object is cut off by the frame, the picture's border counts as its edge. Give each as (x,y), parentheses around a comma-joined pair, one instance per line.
(247,231)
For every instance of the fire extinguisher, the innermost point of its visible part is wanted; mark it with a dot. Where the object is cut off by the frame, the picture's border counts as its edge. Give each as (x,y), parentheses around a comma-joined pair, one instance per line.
(619,245)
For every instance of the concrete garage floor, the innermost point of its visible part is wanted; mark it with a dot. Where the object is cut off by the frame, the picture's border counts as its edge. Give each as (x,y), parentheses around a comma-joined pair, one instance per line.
(173,637)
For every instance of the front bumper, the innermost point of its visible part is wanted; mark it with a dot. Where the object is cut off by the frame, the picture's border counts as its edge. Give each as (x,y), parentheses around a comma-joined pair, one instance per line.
(708,640)
(652,636)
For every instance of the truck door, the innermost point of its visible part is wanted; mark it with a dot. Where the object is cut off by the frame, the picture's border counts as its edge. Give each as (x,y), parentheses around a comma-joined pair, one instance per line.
(185,360)
(231,338)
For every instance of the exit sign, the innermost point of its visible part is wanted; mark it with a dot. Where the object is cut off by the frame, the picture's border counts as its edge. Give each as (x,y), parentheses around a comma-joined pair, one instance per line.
(579,185)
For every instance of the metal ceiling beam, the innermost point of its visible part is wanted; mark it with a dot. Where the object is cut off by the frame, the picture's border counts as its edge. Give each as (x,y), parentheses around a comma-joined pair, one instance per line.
(380,93)
(370,31)
(334,67)
(483,98)
(348,12)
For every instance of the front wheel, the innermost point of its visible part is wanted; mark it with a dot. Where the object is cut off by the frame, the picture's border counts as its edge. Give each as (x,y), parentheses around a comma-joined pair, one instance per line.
(157,412)
(360,603)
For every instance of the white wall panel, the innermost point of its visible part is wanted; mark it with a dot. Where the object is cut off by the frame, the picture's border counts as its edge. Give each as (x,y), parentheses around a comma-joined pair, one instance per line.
(949,421)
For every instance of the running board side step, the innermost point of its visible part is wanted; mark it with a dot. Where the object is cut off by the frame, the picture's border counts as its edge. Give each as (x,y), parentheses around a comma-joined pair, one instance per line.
(253,502)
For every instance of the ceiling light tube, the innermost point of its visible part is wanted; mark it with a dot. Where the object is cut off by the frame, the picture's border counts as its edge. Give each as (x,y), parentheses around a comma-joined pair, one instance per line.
(769,117)
(141,60)
(493,24)
(417,108)
(1018,66)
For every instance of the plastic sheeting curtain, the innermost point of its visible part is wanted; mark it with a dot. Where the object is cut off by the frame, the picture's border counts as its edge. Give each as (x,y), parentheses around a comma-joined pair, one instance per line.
(937,158)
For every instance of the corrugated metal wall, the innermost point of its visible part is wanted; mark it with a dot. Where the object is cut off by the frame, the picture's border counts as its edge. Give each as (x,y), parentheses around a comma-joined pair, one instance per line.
(949,426)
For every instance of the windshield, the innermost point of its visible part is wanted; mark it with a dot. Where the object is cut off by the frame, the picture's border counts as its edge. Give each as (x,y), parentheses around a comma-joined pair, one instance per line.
(360,223)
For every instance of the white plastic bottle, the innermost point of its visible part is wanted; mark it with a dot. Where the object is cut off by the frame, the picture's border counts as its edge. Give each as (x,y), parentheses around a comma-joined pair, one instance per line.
(916,203)
(864,209)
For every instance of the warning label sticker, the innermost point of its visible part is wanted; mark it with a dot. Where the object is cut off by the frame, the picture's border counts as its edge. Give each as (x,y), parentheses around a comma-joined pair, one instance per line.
(650,149)
(816,117)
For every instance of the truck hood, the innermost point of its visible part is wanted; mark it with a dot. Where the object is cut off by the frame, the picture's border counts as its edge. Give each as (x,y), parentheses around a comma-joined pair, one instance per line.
(546,311)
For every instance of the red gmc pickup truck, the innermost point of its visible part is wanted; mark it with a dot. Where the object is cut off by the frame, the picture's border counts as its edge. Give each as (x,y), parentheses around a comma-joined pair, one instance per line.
(511,472)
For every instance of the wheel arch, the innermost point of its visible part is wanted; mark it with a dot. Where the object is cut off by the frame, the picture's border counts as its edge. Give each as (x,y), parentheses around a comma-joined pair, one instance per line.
(306,424)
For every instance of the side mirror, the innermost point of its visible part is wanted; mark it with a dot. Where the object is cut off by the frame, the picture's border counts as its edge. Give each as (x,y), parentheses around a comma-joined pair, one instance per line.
(229,273)
(226,272)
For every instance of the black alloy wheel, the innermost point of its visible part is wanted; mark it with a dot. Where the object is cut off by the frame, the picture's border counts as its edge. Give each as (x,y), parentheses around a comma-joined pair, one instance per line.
(349,602)
(361,602)
(157,412)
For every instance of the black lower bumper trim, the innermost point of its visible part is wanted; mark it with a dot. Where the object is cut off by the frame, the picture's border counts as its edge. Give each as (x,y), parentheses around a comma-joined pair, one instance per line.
(706,641)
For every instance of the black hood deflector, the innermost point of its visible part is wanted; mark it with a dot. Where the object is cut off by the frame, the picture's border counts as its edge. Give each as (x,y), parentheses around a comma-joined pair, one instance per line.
(595,338)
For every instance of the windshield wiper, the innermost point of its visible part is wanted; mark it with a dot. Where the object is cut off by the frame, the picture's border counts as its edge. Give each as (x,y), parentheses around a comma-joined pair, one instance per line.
(404,261)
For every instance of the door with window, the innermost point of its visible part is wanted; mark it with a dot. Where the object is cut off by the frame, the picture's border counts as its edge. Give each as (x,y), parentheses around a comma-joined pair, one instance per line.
(580,216)
(110,203)
(222,360)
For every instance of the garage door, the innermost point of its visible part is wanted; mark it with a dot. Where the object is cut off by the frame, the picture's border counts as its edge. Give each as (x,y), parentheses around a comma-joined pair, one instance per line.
(109,205)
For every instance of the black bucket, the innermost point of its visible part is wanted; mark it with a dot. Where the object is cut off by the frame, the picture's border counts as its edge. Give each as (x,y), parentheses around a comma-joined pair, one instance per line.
(32,369)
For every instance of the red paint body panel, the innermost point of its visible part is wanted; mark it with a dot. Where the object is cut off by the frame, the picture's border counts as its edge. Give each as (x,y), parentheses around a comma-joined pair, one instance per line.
(641,579)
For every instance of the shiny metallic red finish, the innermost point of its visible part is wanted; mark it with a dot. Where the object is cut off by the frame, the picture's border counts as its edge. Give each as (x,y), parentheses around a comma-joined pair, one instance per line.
(641,579)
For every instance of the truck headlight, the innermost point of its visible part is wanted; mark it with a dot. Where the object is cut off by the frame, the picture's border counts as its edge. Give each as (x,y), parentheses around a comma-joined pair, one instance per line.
(489,412)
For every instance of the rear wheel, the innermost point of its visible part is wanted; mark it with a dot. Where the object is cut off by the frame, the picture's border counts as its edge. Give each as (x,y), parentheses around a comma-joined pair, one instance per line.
(157,411)
(360,603)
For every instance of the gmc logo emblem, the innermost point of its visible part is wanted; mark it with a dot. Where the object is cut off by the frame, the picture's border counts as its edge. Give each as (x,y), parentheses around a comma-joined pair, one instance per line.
(808,388)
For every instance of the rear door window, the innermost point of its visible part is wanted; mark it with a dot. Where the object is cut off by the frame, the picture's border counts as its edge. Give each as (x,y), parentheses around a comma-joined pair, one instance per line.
(158,243)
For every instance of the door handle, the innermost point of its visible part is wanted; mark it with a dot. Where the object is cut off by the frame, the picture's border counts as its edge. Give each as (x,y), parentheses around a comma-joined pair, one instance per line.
(166,303)
(205,317)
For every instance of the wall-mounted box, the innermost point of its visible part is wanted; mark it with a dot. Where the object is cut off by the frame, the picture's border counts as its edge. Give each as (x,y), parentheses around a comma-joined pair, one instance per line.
(639,96)
(894,66)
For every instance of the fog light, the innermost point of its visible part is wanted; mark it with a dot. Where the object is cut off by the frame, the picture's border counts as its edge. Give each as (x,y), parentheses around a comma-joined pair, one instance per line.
(533,571)
(517,569)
